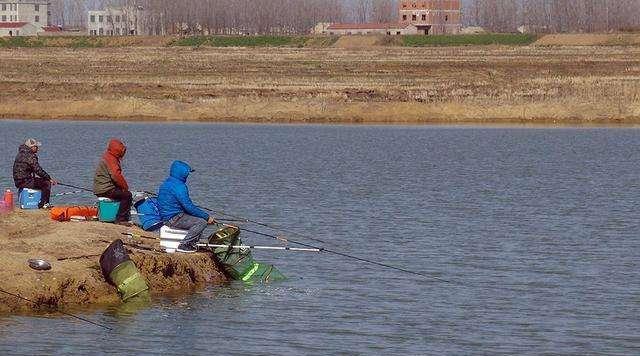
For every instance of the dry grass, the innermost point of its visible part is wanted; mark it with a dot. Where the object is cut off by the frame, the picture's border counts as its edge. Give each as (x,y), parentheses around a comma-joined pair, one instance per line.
(377,84)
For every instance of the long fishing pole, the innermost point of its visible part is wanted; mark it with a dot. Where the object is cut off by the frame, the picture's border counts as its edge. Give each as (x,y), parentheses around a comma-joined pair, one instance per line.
(277,248)
(91,191)
(243,219)
(57,309)
(348,256)
(304,244)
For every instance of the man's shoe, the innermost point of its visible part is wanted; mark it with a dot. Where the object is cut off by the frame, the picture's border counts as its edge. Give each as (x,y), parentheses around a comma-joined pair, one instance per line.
(46,206)
(187,249)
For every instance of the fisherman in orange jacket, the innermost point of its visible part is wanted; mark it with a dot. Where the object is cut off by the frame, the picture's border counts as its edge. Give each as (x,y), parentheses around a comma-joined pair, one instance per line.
(109,182)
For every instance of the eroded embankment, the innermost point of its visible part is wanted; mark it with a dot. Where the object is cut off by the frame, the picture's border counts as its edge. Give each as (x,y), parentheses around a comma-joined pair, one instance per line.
(73,249)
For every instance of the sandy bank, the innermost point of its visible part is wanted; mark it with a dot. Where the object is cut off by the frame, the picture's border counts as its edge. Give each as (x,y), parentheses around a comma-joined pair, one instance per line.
(77,280)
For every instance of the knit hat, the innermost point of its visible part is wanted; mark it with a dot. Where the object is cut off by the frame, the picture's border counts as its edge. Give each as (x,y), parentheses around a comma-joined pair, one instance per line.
(32,142)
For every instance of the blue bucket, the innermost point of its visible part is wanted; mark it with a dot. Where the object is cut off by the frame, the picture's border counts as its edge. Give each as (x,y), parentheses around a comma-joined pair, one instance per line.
(107,210)
(29,198)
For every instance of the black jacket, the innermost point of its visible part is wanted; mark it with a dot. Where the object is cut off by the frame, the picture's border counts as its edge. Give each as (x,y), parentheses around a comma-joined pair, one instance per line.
(26,167)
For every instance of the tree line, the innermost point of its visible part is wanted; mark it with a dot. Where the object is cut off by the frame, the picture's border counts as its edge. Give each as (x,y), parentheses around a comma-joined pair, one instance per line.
(554,15)
(299,16)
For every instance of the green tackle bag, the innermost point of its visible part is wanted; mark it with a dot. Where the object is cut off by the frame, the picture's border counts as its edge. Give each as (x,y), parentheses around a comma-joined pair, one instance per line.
(239,263)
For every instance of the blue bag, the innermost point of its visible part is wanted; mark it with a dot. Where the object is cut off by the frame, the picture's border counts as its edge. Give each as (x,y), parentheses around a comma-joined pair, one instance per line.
(149,214)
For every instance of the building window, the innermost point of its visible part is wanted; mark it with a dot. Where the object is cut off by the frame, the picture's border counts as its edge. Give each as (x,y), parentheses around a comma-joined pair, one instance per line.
(118,18)
(109,18)
(4,8)
(446,18)
(414,17)
(92,18)
(124,18)
(100,18)
(118,31)
(404,17)
(398,33)
(101,31)
(36,7)
(424,17)
(37,18)
(4,18)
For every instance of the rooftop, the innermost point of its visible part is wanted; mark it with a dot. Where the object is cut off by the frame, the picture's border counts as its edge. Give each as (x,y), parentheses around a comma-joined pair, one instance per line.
(12,24)
(366,26)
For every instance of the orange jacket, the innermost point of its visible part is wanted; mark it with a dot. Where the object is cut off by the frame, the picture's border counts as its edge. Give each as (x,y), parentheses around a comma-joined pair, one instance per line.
(109,172)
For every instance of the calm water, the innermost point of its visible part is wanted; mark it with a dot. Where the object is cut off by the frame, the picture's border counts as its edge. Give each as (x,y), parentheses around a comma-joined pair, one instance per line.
(538,228)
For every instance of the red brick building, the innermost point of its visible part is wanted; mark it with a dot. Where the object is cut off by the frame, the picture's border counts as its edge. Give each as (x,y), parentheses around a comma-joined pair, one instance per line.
(432,17)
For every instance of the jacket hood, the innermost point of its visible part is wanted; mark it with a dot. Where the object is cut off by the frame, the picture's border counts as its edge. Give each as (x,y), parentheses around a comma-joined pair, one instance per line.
(116,148)
(180,170)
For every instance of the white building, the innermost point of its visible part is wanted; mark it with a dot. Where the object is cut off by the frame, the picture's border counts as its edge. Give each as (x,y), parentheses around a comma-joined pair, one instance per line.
(117,21)
(23,17)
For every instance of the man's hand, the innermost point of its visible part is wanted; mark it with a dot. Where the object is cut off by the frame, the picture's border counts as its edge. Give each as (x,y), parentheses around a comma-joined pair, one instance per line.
(53,181)
(211,221)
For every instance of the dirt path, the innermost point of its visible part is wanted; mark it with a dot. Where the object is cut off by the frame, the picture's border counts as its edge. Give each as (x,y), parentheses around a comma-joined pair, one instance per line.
(78,281)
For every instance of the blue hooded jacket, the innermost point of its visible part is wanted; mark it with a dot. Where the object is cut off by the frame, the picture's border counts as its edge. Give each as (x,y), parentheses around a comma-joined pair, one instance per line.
(173,197)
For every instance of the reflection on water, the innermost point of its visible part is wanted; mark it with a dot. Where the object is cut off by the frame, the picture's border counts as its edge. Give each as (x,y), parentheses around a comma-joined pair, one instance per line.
(536,227)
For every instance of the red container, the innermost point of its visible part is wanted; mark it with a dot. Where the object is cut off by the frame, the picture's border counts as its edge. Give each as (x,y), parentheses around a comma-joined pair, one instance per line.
(8,199)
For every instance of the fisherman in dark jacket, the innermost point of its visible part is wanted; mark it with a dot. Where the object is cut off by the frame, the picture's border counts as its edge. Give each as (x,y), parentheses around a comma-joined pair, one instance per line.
(108,182)
(27,172)
(178,211)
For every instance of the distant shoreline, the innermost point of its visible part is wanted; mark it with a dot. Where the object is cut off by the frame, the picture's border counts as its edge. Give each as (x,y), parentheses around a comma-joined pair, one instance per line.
(378,85)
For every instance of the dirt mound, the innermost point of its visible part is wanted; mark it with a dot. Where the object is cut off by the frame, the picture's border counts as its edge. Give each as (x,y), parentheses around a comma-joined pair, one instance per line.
(362,41)
(73,249)
(590,39)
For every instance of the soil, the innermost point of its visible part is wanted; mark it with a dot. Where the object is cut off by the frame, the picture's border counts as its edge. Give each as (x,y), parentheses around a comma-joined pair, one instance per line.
(377,84)
(73,249)
(590,39)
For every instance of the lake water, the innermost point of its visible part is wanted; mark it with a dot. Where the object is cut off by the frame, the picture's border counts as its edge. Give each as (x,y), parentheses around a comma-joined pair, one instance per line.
(537,229)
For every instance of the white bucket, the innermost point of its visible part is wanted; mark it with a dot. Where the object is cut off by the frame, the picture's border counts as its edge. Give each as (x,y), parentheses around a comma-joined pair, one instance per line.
(171,238)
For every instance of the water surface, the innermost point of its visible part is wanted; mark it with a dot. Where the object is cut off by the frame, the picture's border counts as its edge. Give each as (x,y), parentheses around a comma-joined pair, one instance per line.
(536,228)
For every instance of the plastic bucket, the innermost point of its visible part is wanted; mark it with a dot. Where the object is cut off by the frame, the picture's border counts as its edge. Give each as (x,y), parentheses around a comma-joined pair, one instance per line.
(108,210)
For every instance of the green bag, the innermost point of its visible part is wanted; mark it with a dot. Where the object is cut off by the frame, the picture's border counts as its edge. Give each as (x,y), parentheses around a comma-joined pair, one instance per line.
(128,280)
(239,263)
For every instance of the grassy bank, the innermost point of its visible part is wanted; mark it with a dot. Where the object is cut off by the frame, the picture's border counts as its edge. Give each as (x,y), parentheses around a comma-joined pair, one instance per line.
(255,41)
(83,41)
(469,40)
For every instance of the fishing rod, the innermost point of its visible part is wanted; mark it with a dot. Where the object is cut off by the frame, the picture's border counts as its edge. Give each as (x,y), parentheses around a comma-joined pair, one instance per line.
(243,219)
(279,248)
(66,193)
(91,191)
(57,309)
(348,256)
(297,242)
(75,187)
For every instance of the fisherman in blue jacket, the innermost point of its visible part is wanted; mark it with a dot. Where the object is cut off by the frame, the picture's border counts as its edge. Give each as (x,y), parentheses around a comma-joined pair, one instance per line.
(178,211)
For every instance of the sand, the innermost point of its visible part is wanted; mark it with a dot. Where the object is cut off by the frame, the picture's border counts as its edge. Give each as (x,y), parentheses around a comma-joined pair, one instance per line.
(77,281)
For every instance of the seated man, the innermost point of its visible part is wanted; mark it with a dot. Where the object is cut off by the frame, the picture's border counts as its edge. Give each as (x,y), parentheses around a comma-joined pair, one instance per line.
(108,182)
(178,211)
(27,172)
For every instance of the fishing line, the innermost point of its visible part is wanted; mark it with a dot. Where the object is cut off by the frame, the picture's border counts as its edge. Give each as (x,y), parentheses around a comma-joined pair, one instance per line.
(57,309)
